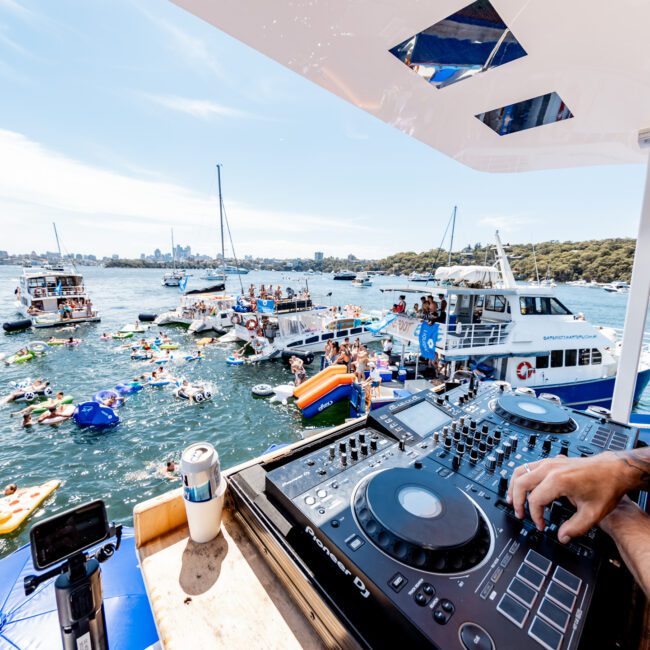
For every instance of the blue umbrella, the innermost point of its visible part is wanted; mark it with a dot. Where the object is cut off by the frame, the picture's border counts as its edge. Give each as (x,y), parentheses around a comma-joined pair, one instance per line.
(32,621)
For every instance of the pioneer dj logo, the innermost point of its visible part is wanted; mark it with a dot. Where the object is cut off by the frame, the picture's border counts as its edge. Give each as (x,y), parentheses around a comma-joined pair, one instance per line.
(358,583)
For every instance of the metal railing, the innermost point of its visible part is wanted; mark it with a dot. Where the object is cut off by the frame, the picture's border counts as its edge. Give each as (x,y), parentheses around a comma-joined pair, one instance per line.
(43,292)
(464,335)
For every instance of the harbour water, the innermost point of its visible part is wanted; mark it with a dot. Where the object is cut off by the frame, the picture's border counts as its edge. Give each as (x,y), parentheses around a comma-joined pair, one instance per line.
(122,465)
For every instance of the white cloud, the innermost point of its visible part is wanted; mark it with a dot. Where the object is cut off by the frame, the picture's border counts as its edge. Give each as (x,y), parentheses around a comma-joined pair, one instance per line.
(202,108)
(506,224)
(104,211)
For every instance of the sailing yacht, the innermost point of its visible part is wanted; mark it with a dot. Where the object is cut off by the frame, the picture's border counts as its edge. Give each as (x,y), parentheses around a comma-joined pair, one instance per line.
(174,277)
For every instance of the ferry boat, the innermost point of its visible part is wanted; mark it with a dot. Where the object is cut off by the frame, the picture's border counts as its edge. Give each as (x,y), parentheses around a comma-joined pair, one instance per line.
(362,279)
(522,334)
(54,297)
(344,274)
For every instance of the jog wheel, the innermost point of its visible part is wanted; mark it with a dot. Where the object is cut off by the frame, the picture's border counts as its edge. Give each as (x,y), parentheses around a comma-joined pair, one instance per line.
(422,521)
(535,414)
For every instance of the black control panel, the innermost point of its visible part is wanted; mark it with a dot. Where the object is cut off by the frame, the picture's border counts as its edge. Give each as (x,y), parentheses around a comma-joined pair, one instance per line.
(404,523)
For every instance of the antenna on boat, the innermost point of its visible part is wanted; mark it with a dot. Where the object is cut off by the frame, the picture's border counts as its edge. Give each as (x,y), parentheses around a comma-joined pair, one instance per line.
(536,267)
(58,244)
(223,249)
(173,252)
(504,265)
(453,229)
(224,217)
(452,223)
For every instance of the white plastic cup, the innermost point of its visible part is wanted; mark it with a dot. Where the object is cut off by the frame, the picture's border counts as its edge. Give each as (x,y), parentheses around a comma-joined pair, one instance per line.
(203,491)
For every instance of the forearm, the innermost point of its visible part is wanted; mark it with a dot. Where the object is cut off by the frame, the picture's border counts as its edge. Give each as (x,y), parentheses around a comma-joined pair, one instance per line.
(629,527)
(636,464)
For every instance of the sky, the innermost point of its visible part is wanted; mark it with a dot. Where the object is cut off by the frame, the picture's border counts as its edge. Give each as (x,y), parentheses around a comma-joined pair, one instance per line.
(114,114)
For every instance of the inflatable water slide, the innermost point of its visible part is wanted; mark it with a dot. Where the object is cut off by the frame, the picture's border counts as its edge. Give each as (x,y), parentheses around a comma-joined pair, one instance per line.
(323,389)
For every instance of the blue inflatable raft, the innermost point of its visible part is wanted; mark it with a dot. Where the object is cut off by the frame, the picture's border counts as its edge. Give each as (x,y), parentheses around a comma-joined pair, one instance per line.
(94,414)
(32,621)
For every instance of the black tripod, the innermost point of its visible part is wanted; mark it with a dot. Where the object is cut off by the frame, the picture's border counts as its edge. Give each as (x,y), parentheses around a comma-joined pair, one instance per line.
(79,600)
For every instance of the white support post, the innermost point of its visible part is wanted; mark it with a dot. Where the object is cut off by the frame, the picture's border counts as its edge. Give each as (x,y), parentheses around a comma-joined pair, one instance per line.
(635,317)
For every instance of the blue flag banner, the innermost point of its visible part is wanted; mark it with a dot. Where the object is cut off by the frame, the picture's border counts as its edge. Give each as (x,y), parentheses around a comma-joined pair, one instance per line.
(428,338)
(183,283)
(59,289)
(265,306)
(382,324)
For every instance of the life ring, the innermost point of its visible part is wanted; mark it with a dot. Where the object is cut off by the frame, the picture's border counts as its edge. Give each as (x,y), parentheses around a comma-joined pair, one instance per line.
(259,331)
(235,319)
(251,324)
(525,370)
(234,361)
(262,390)
(39,347)
(103,395)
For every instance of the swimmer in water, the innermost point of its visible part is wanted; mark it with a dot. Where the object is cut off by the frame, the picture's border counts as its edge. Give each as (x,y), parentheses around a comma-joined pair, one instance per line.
(10,489)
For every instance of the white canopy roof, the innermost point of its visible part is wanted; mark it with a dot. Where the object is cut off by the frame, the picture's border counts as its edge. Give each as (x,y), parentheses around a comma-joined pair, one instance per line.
(481,275)
(592,53)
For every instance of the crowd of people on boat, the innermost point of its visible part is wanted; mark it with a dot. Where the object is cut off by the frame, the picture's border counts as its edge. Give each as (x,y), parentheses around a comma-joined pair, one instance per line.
(429,309)
(265,292)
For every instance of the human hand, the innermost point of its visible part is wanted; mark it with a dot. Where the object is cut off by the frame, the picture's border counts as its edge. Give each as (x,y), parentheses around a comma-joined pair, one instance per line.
(593,485)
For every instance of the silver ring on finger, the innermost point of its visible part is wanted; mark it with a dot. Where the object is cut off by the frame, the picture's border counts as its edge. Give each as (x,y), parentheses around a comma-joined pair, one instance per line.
(527,468)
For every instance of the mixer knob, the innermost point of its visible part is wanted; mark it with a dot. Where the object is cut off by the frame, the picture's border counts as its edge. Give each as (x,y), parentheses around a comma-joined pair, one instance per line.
(402,443)
(455,462)
(354,454)
(457,434)
(472,425)
(436,436)
(362,436)
(460,447)
(507,448)
(342,446)
(514,441)
(491,463)
(364,449)
(461,400)
(473,455)
(469,442)
(373,444)
(482,447)
(445,431)
(344,459)
(532,440)
(490,442)
(564,449)
(503,485)
(332,452)
(461,420)
(465,431)
(499,454)
(454,424)
(485,429)
(546,446)
(497,434)
(353,442)
(447,442)
(440,401)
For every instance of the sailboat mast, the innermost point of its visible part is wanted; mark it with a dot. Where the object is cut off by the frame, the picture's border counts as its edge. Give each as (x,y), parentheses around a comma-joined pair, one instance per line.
(453,228)
(173,252)
(58,244)
(223,249)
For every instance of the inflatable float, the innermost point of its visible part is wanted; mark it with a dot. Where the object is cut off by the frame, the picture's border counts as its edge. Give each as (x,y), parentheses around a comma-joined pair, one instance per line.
(38,347)
(122,335)
(157,383)
(169,346)
(94,414)
(14,509)
(199,392)
(234,361)
(103,395)
(65,413)
(262,390)
(282,393)
(128,388)
(66,399)
(19,358)
(17,325)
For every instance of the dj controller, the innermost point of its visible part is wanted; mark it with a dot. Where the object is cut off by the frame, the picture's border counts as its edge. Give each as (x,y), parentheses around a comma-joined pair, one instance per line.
(402,526)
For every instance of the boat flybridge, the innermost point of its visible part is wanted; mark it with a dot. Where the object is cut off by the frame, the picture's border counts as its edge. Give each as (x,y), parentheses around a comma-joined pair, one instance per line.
(500,86)
(201,310)
(51,297)
(522,334)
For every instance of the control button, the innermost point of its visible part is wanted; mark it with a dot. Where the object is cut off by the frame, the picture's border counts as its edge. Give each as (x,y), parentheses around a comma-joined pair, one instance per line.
(506,559)
(473,455)
(503,485)
(354,542)
(487,590)
(418,464)
(353,442)
(397,582)
(428,589)
(364,449)
(513,610)
(460,447)
(447,443)
(490,442)
(321,511)
(439,617)
(485,428)
(373,444)
(402,443)
(344,459)
(561,596)
(457,435)
(310,501)
(474,637)
(490,463)
(566,579)
(534,578)
(550,612)
(332,452)
(564,450)
(538,561)
(342,446)
(455,462)
(514,547)
(321,494)
(497,434)
(514,441)
(522,591)
(498,572)
(421,599)
(546,446)
(545,635)
(499,454)
(447,605)
(507,448)
(362,436)
(532,440)
(354,454)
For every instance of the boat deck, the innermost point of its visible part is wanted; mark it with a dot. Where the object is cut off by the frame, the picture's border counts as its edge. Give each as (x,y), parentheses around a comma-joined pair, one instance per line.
(67,321)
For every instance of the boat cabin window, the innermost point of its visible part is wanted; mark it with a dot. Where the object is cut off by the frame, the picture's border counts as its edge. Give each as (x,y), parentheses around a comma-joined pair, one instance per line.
(311,339)
(328,335)
(557,358)
(584,357)
(341,334)
(542,306)
(355,330)
(495,303)
(541,362)
(596,357)
(570,357)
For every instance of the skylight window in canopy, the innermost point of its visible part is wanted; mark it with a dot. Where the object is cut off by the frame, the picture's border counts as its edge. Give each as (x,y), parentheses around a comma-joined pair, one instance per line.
(470,41)
(528,114)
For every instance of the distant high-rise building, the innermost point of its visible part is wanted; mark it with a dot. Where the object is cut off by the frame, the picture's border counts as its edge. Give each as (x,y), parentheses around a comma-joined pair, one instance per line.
(143,256)
(318,256)
(351,258)
(157,254)
(115,256)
